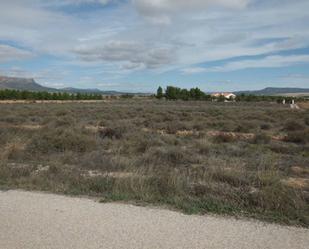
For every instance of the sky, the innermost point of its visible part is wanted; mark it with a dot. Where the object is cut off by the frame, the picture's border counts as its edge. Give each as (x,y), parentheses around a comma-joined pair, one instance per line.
(137,45)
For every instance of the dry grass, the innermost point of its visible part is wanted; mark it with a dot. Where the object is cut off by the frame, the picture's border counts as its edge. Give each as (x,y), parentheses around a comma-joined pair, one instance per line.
(304,105)
(199,157)
(298,183)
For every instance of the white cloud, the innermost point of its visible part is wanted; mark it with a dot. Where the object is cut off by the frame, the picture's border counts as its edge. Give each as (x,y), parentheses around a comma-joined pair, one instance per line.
(160,11)
(295,80)
(75,2)
(134,54)
(194,70)
(8,53)
(48,74)
(267,62)
(119,40)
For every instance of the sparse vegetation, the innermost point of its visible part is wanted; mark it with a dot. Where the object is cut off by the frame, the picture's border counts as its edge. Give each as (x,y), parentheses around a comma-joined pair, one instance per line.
(200,157)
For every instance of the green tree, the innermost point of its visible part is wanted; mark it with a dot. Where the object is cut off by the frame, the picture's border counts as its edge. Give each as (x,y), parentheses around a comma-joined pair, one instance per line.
(172,93)
(159,93)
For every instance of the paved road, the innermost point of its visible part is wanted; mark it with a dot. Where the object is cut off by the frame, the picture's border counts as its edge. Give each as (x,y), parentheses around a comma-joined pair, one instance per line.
(45,221)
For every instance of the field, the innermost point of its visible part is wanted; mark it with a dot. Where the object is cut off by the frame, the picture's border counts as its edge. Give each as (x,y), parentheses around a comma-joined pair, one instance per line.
(242,159)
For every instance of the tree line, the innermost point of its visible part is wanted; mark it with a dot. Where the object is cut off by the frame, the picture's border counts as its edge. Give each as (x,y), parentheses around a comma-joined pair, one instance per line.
(176,93)
(266,98)
(8,94)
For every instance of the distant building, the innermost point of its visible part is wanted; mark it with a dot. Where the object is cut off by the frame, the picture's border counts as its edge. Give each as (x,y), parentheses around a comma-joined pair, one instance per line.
(228,96)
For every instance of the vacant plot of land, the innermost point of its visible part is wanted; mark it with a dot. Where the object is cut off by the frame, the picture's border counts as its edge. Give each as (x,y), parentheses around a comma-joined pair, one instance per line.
(247,159)
(35,221)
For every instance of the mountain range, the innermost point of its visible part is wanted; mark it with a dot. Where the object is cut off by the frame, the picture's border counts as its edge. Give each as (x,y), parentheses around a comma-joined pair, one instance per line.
(31,85)
(21,84)
(284,91)
(25,84)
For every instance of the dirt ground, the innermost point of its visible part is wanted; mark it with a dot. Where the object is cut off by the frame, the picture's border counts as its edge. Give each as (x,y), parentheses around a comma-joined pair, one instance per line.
(36,220)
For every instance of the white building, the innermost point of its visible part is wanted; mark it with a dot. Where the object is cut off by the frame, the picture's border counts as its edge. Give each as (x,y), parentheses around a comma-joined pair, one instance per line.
(228,96)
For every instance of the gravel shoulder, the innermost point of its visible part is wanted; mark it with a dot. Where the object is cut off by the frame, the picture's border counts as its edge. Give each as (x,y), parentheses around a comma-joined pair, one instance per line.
(30,220)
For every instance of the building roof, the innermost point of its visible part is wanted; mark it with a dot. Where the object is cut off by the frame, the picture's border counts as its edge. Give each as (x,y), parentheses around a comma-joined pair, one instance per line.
(227,95)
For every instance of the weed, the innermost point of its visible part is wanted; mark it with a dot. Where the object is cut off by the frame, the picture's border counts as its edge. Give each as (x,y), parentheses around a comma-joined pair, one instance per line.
(164,153)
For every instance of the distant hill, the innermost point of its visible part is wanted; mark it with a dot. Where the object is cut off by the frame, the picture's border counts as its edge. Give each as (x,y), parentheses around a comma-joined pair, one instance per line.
(21,84)
(90,90)
(25,84)
(287,91)
(79,90)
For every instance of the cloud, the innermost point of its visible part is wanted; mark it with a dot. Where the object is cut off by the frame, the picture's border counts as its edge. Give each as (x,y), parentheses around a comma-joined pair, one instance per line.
(133,54)
(214,34)
(294,79)
(36,28)
(160,11)
(75,2)
(9,53)
(61,3)
(86,1)
(131,66)
(194,70)
(147,6)
(120,40)
(50,75)
(266,62)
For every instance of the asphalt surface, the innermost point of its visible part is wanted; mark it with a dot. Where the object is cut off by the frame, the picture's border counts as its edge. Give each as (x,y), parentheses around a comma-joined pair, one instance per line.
(44,221)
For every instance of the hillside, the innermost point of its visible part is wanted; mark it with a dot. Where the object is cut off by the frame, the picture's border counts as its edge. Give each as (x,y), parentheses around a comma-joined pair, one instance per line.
(277,91)
(25,84)
(22,84)
(89,90)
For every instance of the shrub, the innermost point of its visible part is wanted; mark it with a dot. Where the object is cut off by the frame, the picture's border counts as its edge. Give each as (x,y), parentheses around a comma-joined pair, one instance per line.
(174,126)
(100,184)
(62,113)
(125,161)
(168,155)
(97,160)
(112,133)
(293,126)
(242,128)
(140,143)
(233,177)
(261,138)
(61,140)
(224,138)
(13,150)
(204,147)
(299,137)
(62,122)
(284,148)
(278,199)
(265,126)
